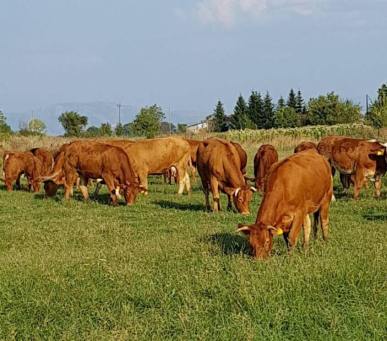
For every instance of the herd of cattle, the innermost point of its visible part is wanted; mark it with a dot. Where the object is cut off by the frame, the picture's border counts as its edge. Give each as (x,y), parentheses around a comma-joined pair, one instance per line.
(292,188)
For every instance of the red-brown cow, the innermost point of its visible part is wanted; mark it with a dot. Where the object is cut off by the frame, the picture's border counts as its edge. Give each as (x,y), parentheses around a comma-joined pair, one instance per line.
(305,145)
(93,160)
(15,164)
(292,193)
(360,159)
(219,167)
(265,157)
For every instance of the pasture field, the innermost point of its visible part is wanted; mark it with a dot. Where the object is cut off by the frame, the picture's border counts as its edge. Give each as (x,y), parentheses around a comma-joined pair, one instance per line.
(166,269)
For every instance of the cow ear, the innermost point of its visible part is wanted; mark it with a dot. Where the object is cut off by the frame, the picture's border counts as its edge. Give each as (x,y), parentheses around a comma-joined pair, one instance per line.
(275,231)
(245,229)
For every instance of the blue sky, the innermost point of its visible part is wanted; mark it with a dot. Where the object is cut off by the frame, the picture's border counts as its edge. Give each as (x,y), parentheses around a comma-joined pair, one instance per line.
(187,54)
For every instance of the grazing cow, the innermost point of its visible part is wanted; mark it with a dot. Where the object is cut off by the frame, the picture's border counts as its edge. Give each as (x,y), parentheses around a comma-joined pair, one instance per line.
(265,157)
(219,167)
(359,160)
(154,156)
(305,145)
(15,164)
(241,152)
(292,193)
(93,160)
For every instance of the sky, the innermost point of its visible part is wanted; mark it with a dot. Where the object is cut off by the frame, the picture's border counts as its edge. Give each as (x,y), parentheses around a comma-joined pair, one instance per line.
(185,55)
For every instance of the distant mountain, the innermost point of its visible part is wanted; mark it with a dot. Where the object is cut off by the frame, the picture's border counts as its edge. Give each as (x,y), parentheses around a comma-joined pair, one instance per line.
(97,113)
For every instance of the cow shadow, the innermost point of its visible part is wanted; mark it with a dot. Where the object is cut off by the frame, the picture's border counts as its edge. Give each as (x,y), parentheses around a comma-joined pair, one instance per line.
(229,243)
(375,216)
(179,205)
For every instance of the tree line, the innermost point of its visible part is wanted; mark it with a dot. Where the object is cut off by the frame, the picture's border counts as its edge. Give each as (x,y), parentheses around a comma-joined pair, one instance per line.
(259,112)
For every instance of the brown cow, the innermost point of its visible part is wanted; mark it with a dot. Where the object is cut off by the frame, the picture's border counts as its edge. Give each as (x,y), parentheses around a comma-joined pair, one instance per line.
(219,167)
(265,157)
(169,174)
(154,156)
(305,145)
(292,193)
(241,152)
(360,159)
(93,160)
(15,164)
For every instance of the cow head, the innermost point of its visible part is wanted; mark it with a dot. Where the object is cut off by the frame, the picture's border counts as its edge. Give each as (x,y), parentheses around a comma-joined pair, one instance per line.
(50,188)
(241,197)
(260,238)
(131,190)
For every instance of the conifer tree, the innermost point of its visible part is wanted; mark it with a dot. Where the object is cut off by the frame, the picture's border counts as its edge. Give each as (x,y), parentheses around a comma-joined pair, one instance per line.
(281,103)
(268,112)
(240,119)
(255,108)
(220,119)
(291,102)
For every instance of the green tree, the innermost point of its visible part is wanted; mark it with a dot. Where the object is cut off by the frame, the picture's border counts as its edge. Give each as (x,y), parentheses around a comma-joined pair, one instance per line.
(4,127)
(36,127)
(377,115)
(73,123)
(286,117)
(240,118)
(167,128)
(219,118)
(106,129)
(330,109)
(92,131)
(119,129)
(382,95)
(181,128)
(255,109)
(281,103)
(268,112)
(148,121)
(300,106)
(291,102)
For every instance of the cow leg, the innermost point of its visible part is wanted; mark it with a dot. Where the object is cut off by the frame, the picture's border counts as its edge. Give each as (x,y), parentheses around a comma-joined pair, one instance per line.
(359,182)
(187,183)
(378,186)
(144,182)
(18,186)
(206,191)
(97,189)
(229,202)
(295,229)
(8,184)
(215,193)
(71,179)
(345,180)
(316,221)
(307,228)
(109,181)
(83,187)
(324,217)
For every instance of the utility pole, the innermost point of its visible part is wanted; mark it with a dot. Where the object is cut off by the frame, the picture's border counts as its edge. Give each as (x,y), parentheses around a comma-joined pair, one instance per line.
(366,104)
(119,105)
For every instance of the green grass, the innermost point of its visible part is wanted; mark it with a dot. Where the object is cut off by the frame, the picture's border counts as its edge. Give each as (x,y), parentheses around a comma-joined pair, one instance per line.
(165,269)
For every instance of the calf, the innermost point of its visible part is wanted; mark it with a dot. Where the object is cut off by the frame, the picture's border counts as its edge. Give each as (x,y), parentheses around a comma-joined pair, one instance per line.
(219,167)
(296,186)
(265,157)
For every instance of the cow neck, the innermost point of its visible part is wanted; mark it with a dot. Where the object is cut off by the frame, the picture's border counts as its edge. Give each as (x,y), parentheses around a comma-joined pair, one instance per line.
(271,209)
(233,175)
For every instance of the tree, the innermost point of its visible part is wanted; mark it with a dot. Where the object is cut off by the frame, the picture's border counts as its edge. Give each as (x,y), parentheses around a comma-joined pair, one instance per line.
(240,118)
(148,121)
(119,129)
(219,118)
(4,127)
(382,95)
(300,106)
(92,131)
(286,117)
(291,102)
(377,115)
(281,103)
(167,128)
(73,123)
(268,112)
(181,128)
(255,110)
(36,127)
(105,129)
(330,109)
